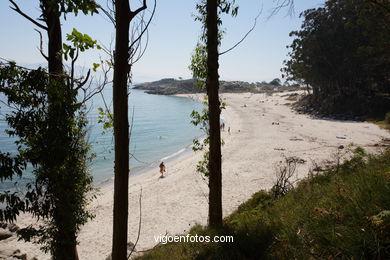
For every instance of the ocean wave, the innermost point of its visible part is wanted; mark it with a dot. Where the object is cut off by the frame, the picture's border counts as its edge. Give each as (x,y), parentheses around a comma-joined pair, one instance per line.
(174,154)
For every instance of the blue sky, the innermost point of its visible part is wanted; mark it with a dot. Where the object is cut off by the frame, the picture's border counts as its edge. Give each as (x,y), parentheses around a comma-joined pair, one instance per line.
(173,35)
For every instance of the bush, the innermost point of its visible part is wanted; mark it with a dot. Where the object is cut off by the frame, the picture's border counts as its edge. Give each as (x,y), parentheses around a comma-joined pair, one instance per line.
(387,118)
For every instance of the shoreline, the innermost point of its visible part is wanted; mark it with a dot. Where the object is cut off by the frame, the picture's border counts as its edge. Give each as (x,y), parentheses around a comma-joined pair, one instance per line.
(140,170)
(175,203)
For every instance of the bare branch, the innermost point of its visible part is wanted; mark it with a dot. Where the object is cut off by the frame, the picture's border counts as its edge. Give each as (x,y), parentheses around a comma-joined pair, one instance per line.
(41,45)
(139,224)
(146,27)
(108,50)
(105,105)
(14,62)
(285,175)
(81,84)
(246,35)
(17,9)
(72,66)
(132,155)
(141,50)
(280,4)
(107,13)
(133,51)
(136,30)
(144,49)
(100,88)
(143,7)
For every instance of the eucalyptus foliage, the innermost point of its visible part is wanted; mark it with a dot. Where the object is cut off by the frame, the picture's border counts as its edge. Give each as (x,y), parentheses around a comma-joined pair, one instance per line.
(342,52)
(49,124)
(53,143)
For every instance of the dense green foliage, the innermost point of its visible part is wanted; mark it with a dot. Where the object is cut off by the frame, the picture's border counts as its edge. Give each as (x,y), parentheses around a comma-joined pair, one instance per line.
(80,43)
(387,118)
(53,142)
(341,213)
(342,52)
(49,124)
(73,6)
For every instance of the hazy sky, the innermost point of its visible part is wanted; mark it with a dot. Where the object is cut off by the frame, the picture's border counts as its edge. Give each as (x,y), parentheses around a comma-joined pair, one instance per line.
(173,35)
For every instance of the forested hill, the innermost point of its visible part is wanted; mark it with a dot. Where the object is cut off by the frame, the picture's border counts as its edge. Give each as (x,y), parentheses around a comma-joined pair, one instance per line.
(342,52)
(172,86)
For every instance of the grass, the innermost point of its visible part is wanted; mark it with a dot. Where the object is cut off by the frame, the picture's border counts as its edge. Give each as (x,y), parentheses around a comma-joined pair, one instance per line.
(342,213)
(381,121)
(383,124)
(386,122)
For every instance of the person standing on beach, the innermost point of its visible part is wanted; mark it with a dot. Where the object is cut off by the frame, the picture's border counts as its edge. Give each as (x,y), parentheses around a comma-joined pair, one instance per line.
(223,126)
(162,169)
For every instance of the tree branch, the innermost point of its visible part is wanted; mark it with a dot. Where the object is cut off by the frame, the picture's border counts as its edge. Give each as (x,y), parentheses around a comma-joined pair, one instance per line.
(72,65)
(282,4)
(107,13)
(81,84)
(146,27)
(246,35)
(100,87)
(17,9)
(143,7)
(41,44)
(139,224)
(144,49)
(14,62)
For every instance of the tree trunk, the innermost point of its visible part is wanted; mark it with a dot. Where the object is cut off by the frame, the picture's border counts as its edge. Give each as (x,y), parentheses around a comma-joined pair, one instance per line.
(66,246)
(54,42)
(212,86)
(121,130)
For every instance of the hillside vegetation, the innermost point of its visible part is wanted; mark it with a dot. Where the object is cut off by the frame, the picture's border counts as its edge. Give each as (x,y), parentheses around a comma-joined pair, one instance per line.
(172,86)
(342,212)
(342,53)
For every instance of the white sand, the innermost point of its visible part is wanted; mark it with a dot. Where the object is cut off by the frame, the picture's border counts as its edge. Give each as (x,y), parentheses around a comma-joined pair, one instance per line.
(177,202)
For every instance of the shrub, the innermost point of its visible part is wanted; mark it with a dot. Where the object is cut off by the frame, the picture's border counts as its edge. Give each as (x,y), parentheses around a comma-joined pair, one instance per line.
(387,118)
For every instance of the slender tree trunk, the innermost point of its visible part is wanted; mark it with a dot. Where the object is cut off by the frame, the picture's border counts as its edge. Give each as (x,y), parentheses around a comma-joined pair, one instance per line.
(212,85)
(66,247)
(54,42)
(121,130)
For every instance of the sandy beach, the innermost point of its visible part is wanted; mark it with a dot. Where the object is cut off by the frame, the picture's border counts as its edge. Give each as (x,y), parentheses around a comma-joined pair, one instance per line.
(263,129)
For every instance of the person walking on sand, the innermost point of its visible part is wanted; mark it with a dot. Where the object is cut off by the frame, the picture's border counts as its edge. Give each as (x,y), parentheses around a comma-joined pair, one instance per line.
(162,169)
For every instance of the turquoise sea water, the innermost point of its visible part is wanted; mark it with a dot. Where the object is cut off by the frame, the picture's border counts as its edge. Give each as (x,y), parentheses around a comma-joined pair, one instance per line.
(161,130)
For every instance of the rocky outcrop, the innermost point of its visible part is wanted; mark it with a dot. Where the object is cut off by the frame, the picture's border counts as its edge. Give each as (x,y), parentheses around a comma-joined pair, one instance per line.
(169,87)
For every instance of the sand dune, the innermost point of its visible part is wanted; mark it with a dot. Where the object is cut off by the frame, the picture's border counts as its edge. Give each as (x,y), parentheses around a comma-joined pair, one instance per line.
(262,130)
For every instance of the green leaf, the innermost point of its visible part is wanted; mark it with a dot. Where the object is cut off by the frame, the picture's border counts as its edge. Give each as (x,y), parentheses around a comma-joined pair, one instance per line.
(95,66)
